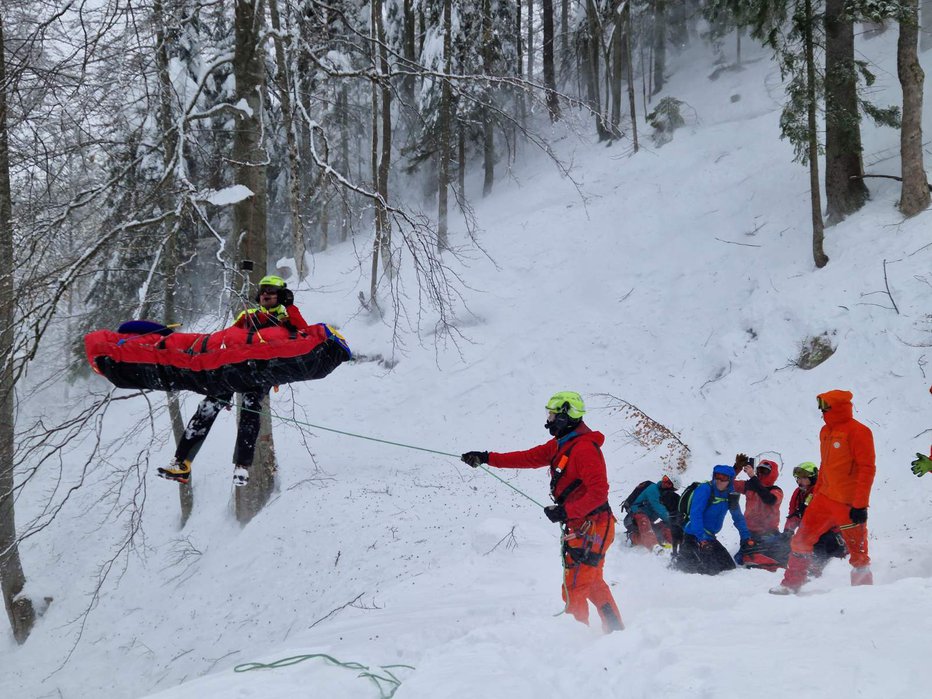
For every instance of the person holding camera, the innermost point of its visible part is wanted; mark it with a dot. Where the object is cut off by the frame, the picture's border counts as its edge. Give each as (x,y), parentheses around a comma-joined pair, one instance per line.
(841,496)
(579,489)
(761,512)
(701,552)
(275,308)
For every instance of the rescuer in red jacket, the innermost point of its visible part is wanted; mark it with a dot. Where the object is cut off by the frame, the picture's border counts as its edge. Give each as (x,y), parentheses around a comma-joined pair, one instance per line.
(840,497)
(275,308)
(579,488)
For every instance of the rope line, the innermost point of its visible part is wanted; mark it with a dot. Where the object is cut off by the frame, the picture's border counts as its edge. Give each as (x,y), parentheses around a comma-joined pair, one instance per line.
(270,414)
(365,671)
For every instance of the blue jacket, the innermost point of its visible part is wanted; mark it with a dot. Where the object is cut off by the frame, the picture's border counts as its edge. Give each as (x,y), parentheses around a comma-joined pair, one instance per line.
(648,503)
(709,505)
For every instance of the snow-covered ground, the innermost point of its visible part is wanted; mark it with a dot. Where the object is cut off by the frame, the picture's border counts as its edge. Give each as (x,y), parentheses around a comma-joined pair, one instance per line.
(681,282)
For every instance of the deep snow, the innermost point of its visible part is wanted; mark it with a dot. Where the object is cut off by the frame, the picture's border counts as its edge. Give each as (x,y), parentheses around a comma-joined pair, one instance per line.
(683,283)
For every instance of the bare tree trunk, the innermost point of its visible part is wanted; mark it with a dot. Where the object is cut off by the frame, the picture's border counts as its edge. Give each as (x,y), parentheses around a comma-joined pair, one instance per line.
(593,58)
(550,78)
(19,608)
(925,23)
(628,60)
(343,112)
(845,191)
(446,136)
(914,196)
(815,198)
(250,217)
(618,65)
(519,72)
(173,149)
(488,135)
(564,38)
(385,157)
(530,39)
(295,199)
(660,45)
(410,57)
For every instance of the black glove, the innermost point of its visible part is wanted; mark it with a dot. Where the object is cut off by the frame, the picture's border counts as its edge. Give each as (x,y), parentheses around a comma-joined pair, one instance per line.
(474,458)
(858,515)
(741,460)
(555,513)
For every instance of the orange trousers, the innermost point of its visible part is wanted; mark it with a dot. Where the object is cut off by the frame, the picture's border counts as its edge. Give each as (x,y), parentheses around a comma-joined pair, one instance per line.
(821,515)
(582,581)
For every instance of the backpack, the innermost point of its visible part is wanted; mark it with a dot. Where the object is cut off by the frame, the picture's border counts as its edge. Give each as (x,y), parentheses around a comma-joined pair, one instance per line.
(686,500)
(638,489)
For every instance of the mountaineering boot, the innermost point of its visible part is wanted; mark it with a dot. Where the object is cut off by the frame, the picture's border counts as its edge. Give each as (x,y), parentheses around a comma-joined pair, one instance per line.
(240,476)
(862,576)
(783,590)
(177,470)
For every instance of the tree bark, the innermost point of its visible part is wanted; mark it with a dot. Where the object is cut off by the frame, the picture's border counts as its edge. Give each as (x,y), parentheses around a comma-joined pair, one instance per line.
(295,196)
(593,58)
(19,608)
(250,217)
(815,198)
(629,62)
(550,79)
(925,23)
(660,45)
(488,134)
(914,196)
(446,137)
(530,39)
(845,191)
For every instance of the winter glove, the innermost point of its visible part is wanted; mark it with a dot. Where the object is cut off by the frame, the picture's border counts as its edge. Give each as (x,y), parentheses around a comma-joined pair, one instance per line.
(747,544)
(734,500)
(555,513)
(922,465)
(741,460)
(474,458)
(858,515)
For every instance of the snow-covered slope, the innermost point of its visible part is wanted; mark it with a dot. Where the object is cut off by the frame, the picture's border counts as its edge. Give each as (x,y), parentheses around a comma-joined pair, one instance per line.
(681,282)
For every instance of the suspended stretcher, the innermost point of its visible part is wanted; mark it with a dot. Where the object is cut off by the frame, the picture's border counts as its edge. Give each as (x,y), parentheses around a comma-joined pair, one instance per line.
(146,355)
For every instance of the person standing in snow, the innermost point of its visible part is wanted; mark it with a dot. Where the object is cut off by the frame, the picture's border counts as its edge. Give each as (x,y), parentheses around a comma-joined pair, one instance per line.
(761,511)
(275,308)
(579,488)
(840,497)
(656,502)
(701,552)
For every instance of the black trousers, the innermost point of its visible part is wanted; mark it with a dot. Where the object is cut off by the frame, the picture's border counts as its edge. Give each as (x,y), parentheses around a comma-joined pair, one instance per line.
(203,419)
(711,559)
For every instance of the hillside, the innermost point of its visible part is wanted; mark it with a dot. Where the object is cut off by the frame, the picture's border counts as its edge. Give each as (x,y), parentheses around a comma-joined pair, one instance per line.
(680,280)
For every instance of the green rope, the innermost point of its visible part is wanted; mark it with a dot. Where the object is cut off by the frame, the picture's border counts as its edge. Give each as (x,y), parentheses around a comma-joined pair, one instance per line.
(385,441)
(385,692)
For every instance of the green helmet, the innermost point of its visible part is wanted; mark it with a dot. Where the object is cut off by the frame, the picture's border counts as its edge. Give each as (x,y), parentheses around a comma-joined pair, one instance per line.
(272,280)
(568,402)
(806,469)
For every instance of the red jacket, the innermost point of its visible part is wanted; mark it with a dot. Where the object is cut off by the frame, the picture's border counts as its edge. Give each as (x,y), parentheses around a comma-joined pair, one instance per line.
(270,317)
(799,500)
(578,482)
(847,448)
(763,499)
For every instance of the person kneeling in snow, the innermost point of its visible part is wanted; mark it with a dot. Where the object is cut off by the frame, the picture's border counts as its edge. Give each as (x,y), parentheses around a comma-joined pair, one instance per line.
(830,544)
(700,551)
(651,515)
(761,512)
(579,487)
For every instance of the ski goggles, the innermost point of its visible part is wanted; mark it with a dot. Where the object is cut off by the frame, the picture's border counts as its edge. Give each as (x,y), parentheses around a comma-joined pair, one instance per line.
(799,472)
(721,477)
(823,406)
(269,289)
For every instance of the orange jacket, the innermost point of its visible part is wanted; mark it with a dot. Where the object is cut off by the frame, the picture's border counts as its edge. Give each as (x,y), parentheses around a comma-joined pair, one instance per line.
(847,448)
